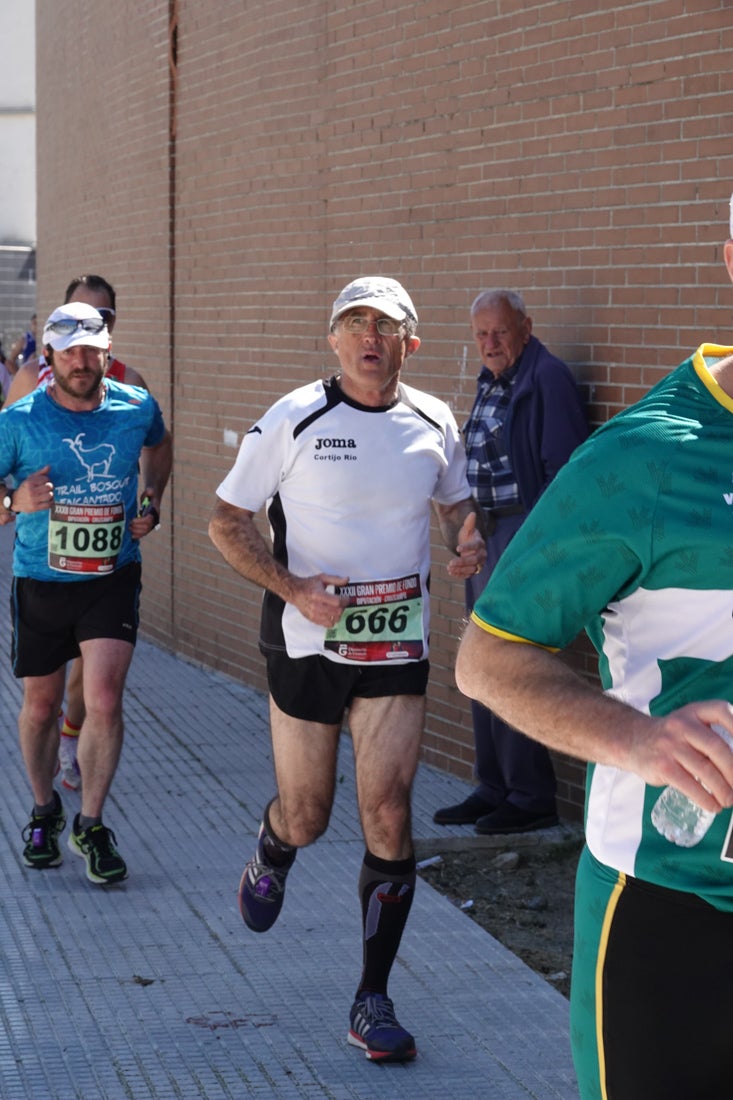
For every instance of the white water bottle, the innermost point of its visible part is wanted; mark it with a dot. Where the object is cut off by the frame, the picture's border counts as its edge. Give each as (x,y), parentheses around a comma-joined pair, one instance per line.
(677,817)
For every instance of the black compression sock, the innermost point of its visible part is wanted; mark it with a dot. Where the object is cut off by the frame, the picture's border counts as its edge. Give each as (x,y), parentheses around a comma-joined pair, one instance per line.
(277,851)
(386,889)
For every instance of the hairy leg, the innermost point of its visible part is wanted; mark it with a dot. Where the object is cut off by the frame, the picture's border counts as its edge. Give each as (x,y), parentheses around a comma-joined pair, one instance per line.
(387,733)
(305,755)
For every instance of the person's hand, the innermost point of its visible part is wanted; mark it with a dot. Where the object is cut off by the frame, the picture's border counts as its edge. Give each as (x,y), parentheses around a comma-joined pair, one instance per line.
(35,494)
(471,550)
(147,518)
(315,602)
(141,526)
(680,749)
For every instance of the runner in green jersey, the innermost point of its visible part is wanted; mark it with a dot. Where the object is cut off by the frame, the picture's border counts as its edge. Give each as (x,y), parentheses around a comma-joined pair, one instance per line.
(633,543)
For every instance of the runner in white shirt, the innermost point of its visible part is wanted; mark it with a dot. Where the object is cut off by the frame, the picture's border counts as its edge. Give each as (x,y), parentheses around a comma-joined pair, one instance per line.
(347,470)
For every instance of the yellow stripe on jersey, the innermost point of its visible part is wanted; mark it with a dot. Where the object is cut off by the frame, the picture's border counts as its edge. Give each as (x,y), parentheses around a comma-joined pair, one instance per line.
(602,949)
(509,637)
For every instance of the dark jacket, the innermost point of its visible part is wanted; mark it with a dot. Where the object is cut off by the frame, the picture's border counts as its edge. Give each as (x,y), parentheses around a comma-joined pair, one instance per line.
(545,421)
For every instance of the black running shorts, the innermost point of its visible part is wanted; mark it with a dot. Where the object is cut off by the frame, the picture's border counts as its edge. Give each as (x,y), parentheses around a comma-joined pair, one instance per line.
(649,1016)
(51,618)
(315,689)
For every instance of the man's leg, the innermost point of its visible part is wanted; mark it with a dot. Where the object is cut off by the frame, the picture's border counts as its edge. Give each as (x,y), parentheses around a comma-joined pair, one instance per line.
(492,787)
(105,662)
(491,784)
(75,693)
(526,767)
(71,728)
(386,732)
(515,774)
(39,738)
(39,731)
(305,755)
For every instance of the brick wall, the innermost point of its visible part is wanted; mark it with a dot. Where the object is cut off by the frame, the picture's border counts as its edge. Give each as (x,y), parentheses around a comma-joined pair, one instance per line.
(103,196)
(580,155)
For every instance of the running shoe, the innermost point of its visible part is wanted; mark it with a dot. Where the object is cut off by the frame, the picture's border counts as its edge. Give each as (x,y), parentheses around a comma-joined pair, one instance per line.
(41,836)
(70,774)
(262,889)
(96,845)
(374,1028)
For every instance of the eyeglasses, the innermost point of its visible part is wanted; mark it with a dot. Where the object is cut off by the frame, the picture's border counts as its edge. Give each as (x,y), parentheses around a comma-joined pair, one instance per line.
(106,312)
(69,325)
(359,325)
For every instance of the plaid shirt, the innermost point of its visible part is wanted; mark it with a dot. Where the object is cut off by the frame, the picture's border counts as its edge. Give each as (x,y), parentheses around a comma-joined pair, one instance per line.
(489,472)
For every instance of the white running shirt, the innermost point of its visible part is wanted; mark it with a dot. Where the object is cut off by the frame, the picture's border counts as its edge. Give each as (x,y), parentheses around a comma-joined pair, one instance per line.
(348,491)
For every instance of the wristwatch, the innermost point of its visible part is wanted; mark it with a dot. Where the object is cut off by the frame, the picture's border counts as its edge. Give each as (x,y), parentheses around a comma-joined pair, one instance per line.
(8,500)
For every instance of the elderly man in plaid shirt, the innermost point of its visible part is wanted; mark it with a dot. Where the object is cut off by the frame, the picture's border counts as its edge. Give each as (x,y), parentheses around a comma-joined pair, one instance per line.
(526,421)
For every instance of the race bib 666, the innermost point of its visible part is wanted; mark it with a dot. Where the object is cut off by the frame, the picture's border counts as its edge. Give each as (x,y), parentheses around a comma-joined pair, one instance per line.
(384,621)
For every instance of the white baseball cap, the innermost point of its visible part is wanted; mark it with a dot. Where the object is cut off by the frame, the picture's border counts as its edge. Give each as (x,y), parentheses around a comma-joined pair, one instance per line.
(74,324)
(386,295)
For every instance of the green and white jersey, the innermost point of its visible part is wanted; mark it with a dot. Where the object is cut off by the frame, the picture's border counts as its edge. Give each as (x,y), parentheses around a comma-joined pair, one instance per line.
(639,524)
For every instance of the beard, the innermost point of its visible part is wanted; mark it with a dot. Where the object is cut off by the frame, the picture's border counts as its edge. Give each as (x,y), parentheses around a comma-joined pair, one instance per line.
(82,384)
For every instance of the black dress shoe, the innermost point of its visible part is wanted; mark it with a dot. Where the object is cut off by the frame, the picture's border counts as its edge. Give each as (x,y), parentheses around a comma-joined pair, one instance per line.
(508,818)
(465,813)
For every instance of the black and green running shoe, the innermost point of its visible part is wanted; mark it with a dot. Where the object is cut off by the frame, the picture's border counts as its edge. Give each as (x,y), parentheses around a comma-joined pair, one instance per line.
(96,845)
(41,838)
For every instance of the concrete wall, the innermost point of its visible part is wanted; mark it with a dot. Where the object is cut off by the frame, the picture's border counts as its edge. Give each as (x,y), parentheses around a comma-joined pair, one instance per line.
(17,123)
(18,172)
(241,163)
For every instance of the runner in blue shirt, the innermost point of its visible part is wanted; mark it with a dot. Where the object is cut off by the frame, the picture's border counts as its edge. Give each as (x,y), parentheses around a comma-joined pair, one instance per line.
(72,449)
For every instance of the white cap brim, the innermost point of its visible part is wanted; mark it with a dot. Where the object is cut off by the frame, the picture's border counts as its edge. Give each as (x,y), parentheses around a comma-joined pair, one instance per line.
(80,338)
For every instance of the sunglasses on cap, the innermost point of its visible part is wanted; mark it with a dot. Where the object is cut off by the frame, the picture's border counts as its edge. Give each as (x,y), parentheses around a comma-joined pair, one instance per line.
(67,325)
(106,312)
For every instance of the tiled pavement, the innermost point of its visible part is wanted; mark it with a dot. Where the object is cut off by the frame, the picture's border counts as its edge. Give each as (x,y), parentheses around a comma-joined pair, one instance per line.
(155,988)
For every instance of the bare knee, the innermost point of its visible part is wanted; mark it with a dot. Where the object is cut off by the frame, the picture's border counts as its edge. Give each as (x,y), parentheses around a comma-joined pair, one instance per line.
(103,706)
(40,710)
(301,820)
(387,825)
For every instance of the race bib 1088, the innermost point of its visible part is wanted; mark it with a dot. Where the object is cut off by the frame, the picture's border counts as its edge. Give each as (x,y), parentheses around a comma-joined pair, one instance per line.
(85,538)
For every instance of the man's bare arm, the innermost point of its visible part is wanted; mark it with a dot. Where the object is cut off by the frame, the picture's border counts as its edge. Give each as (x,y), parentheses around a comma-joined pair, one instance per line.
(236,537)
(535,691)
(155,470)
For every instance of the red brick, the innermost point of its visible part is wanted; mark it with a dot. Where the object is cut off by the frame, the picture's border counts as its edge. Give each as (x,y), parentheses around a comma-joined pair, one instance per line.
(576,152)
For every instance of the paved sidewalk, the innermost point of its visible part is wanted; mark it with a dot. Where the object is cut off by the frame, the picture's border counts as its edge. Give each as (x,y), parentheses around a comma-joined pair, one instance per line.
(155,990)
